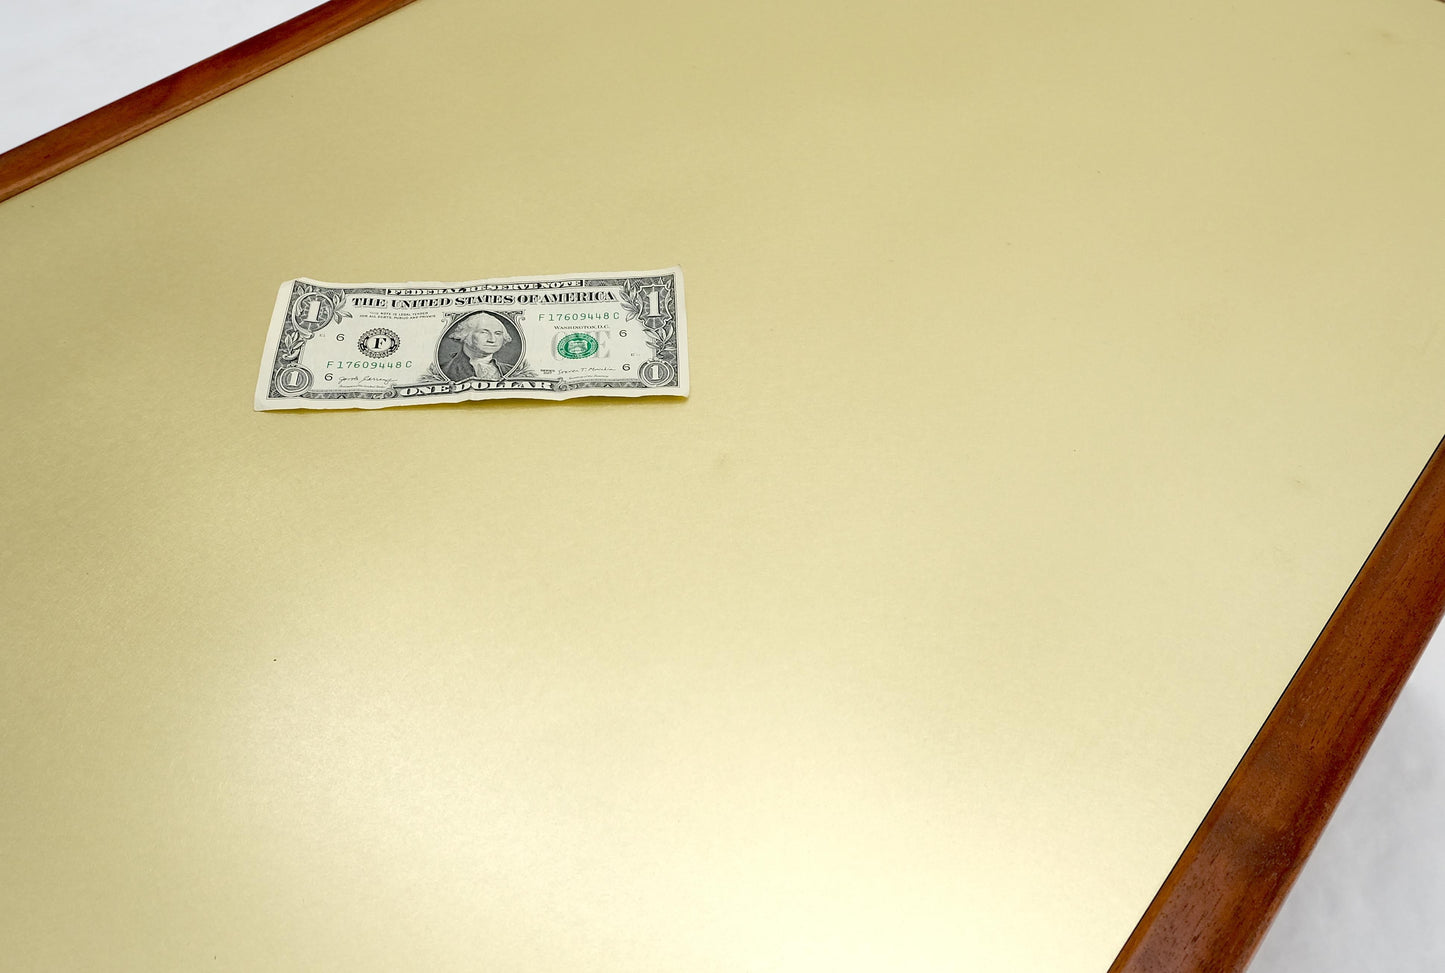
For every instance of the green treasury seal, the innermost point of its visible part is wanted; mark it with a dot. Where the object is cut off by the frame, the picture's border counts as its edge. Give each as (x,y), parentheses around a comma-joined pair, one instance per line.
(577,345)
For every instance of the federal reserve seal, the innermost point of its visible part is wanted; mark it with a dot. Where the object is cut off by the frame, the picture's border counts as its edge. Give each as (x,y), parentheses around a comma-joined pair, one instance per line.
(379,343)
(577,345)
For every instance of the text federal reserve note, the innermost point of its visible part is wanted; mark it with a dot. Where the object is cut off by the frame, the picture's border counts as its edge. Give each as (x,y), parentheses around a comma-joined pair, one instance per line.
(369,346)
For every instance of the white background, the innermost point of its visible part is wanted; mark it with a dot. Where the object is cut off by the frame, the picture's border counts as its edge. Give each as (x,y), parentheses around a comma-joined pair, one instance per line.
(62,58)
(1372,898)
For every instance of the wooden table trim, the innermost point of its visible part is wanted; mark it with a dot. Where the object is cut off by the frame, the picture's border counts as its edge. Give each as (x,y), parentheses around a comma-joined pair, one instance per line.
(1214,907)
(85,138)
(1213,910)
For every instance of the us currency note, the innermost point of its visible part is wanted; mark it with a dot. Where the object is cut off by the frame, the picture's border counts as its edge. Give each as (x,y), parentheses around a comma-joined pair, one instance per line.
(370,346)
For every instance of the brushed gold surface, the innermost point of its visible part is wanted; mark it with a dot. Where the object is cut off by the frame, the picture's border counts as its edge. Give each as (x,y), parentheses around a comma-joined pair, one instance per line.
(1055,367)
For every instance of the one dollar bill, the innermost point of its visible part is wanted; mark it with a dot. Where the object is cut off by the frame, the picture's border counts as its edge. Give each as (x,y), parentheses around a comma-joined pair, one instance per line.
(370,346)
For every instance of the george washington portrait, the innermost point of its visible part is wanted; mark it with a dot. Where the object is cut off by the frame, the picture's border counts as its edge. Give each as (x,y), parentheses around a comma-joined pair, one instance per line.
(482,344)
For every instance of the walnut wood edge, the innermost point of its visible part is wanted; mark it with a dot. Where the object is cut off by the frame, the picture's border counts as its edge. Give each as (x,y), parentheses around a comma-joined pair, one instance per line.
(1213,909)
(85,138)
